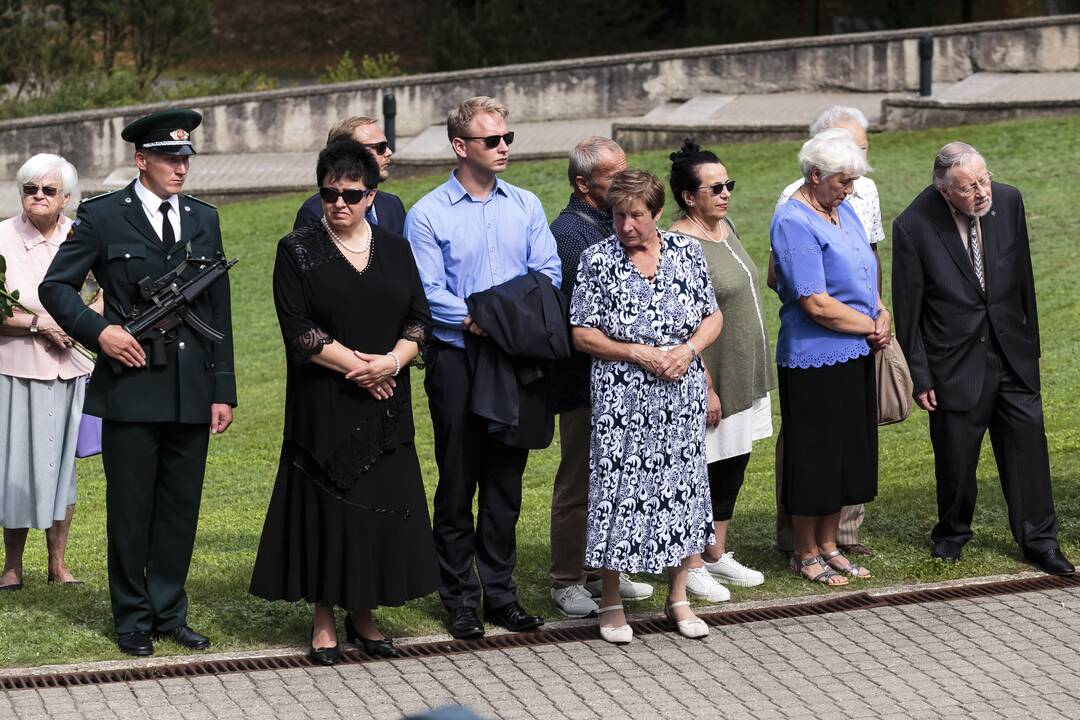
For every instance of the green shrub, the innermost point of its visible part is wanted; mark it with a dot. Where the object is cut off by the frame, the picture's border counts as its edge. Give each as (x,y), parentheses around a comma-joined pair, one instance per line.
(371,66)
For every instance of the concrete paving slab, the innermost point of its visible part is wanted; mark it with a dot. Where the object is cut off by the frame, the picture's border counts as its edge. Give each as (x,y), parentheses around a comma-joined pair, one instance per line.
(1013,87)
(803,667)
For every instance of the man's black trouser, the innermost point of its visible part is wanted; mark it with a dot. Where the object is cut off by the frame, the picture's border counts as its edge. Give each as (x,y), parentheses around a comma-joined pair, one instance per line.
(470,458)
(1014,416)
(153,485)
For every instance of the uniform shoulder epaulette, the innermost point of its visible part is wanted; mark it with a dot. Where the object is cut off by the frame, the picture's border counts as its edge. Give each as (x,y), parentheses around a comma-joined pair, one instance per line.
(201,202)
(99,196)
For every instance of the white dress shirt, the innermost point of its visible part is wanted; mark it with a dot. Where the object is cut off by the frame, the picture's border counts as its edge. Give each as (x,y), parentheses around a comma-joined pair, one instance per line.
(864,201)
(151,205)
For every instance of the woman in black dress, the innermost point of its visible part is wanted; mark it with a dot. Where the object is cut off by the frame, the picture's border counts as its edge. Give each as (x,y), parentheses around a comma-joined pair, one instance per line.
(348,522)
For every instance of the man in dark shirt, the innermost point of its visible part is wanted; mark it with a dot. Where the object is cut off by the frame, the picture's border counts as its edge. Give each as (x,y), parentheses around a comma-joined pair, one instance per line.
(386,211)
(585,220)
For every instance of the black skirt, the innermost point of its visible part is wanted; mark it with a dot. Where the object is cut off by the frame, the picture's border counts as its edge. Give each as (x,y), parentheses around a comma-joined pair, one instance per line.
(830,436)
(361,548)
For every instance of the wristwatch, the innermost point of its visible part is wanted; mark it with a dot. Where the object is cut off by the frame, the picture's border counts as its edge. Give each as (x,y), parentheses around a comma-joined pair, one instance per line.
(33,326)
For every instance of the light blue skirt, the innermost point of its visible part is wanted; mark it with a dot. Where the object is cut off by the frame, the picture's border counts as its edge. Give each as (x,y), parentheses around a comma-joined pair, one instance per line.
(39,427)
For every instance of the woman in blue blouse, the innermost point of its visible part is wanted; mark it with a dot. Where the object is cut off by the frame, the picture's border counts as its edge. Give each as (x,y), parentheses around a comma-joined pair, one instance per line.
(831,322)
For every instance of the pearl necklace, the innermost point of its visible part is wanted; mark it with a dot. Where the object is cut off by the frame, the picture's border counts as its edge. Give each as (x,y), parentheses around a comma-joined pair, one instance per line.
(708,235)
(341,243)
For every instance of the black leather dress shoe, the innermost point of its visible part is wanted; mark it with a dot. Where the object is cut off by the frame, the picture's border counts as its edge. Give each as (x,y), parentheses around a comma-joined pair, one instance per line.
(513,617)
(135,643)
(325,656)
(184,636)
(383,647)
(946,550)
(1051,562)
(464,624)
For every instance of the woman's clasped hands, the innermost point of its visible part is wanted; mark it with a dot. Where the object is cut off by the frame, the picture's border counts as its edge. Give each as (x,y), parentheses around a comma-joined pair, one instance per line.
(374,373)
(665,364)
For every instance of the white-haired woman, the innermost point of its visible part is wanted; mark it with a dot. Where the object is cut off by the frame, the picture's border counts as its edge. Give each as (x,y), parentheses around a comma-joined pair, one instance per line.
(831,320)
(41,377)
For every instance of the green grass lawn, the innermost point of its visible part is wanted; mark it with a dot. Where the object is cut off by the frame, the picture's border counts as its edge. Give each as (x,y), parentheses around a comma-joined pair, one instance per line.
(47,624)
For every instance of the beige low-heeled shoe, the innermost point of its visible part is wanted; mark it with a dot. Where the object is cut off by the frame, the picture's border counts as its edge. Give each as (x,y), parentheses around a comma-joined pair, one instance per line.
(620,635)
(692,629)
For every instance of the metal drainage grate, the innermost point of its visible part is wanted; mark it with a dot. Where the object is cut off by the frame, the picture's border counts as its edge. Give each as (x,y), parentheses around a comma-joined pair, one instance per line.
(845,603)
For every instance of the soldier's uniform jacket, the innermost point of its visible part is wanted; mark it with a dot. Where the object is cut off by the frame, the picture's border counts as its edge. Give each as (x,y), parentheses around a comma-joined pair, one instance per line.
(113,238)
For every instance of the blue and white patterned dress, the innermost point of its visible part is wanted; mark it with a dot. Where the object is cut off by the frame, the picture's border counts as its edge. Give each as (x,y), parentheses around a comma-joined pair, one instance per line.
(648,485)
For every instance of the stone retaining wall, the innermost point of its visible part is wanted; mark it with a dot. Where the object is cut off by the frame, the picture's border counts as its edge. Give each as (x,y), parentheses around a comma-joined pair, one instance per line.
(598,87)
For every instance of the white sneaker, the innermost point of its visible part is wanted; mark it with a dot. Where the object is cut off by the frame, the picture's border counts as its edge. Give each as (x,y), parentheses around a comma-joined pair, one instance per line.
(700,583)
(628,589)
(728,569)
(574,601)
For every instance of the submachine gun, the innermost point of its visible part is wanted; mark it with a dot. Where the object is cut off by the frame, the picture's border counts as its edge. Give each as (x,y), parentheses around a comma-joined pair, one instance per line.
(166,303)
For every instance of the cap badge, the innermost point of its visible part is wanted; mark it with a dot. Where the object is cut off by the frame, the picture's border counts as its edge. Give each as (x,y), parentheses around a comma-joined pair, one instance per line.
(179,134)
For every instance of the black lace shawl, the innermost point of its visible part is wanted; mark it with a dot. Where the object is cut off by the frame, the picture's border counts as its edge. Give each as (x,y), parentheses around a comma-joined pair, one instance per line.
(320,297)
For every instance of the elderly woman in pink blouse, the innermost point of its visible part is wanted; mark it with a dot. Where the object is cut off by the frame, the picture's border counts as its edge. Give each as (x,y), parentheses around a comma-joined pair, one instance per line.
(42,379)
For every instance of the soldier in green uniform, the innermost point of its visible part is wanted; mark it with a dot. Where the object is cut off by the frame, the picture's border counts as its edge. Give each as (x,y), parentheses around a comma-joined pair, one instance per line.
(158,411)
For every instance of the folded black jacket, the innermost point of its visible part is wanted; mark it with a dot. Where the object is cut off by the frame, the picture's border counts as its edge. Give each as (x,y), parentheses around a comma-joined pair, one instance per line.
(525,319)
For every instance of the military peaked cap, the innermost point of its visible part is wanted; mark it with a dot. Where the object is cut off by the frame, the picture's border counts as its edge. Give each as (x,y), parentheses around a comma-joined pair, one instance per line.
(167,131)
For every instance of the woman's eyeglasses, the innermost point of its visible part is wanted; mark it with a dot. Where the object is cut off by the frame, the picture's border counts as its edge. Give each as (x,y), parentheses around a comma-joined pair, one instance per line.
(380,148)
(46,190)
(717,188)
(351,197)
(492,141)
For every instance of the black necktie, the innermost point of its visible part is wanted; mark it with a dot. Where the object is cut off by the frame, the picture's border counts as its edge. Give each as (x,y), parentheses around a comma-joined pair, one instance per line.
(168,237)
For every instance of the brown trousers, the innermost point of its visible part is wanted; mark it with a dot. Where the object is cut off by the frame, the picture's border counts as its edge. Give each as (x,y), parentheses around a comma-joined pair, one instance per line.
(851,516)
(570,499)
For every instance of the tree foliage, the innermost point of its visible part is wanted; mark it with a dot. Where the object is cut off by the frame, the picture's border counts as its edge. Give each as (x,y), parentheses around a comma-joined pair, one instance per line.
(44,43)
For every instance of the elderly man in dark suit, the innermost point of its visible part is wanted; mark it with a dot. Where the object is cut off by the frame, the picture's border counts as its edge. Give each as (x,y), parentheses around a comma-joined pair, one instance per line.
(387,210)
(964,294)
(158,415)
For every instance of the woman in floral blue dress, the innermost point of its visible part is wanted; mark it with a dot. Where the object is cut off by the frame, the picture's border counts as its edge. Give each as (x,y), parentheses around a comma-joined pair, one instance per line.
(644,309)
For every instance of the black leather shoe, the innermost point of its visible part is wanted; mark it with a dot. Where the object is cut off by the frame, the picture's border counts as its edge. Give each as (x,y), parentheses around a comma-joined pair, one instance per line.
(11,588)
(135,643)
(513,617)
(1051,562)
(946,550)
(184,636)
(384,647)
(323,656)
(464,624)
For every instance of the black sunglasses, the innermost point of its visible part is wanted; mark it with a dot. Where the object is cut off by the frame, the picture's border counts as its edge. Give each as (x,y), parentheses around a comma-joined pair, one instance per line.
(717,188)
(492,141)
(380,148)
(330,195)
(45,190)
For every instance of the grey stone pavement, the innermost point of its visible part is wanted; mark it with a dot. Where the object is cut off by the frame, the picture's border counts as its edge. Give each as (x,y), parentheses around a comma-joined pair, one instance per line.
(246,174)
(1013,656)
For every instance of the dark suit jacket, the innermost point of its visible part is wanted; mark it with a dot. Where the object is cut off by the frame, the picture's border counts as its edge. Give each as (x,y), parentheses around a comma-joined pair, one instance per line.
(525,319)
(388,208)
(112,237)
(944,320)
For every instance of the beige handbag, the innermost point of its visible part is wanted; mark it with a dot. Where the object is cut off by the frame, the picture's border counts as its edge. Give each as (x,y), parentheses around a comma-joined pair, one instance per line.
(894,385)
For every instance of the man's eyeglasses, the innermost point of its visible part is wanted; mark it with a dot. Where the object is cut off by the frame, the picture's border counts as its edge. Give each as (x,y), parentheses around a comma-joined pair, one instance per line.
(492,141)
(380,148)
(717,188)
(329,195)
(969,190)
(46,190)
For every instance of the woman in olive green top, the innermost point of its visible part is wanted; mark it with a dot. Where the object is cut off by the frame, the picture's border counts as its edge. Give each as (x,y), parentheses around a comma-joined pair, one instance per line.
(739,363)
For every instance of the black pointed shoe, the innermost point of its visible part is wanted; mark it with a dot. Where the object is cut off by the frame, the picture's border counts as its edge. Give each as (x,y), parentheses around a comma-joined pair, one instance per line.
(138,644)
(383,647)
(323,656)
(513,617)
(464,624)
(1051,562)
(184,636)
